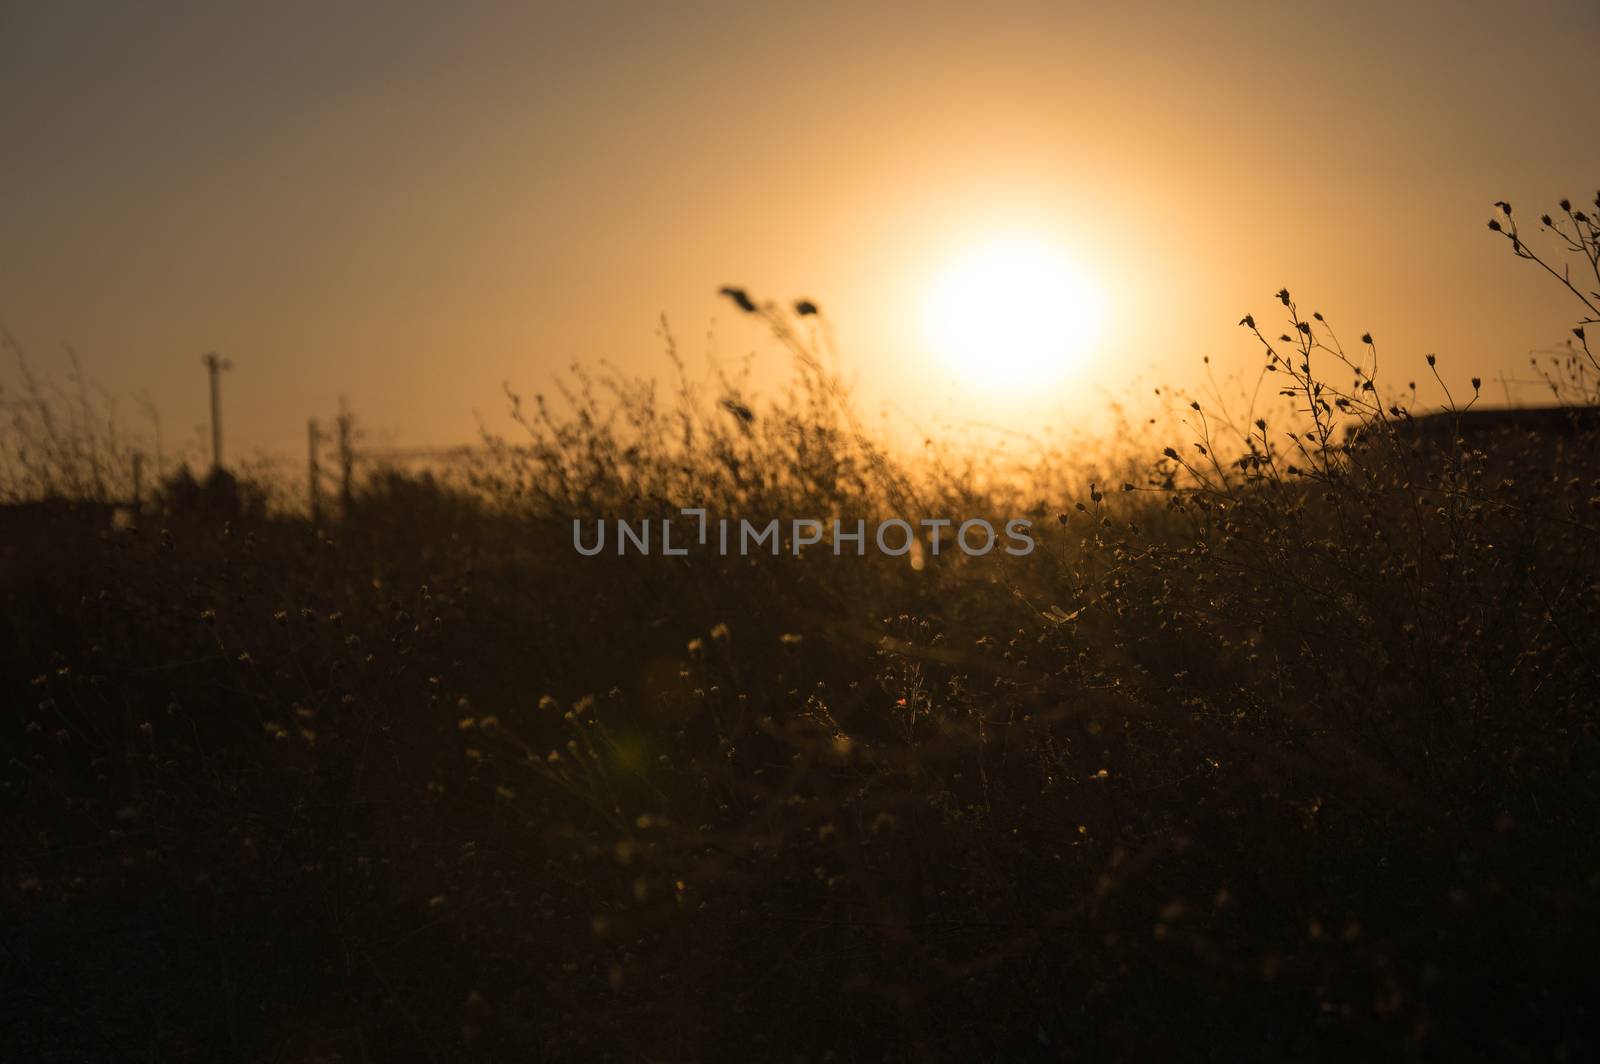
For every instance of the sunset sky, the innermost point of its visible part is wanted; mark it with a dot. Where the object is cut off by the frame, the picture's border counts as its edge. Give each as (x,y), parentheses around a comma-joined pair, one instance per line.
(410,204)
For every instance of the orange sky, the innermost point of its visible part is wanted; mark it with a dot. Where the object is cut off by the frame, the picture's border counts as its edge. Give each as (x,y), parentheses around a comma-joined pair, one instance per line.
(410,206)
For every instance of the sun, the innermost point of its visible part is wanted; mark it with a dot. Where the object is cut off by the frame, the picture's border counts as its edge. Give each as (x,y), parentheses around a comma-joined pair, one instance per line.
(1014,314)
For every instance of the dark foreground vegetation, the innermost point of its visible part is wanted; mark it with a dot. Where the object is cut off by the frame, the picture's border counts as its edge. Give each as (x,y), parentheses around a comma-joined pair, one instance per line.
(1282,745)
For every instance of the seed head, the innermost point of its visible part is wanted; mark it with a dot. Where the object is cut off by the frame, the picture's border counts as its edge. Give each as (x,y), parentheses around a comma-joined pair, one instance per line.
(740,297)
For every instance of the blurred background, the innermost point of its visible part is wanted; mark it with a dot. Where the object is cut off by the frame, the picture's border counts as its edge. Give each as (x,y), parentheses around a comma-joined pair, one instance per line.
(409,205)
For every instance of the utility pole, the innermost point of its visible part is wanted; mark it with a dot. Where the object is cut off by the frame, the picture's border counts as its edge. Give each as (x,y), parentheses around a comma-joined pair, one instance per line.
(347,454)
(314,469)
(215,366)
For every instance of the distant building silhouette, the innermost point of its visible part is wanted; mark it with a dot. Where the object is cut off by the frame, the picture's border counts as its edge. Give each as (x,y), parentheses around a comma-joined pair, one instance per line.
(1445,426)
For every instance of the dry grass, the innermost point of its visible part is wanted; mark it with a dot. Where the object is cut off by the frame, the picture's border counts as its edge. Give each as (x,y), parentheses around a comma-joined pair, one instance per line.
(1281,745)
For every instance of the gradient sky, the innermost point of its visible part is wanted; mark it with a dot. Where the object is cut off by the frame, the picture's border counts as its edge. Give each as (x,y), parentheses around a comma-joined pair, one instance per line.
(410,205)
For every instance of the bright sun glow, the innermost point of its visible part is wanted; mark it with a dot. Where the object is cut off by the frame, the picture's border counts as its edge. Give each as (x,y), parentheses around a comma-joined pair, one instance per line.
(1014,314)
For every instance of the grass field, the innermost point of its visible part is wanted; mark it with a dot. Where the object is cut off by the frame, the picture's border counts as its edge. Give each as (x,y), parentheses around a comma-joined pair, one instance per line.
(1281,744)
